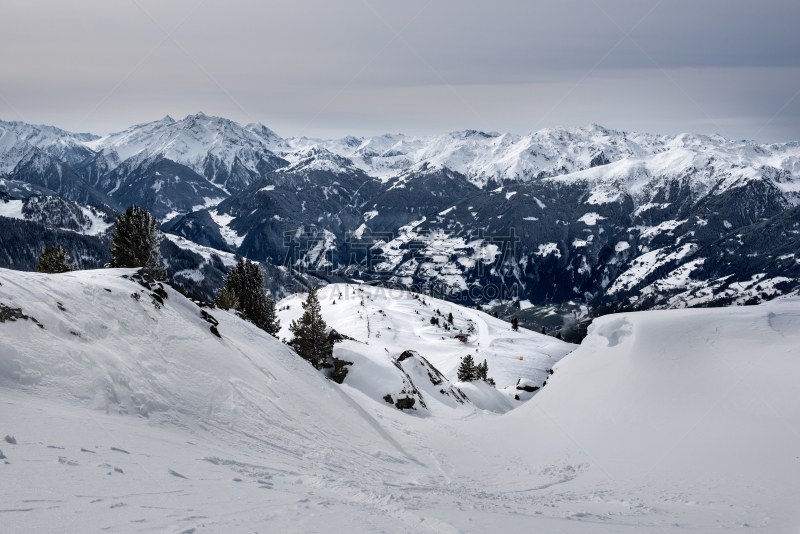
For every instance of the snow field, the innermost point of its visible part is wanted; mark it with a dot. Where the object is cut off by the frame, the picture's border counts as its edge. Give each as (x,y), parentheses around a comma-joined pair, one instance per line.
(110,352)
(664,421)
(11,209)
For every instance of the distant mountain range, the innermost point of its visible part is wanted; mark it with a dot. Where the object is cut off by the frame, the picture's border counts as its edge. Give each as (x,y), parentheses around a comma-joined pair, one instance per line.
(598,218)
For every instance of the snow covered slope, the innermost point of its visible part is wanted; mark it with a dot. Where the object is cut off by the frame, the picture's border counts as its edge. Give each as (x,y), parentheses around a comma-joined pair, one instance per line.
(58,212)
(385,323)
(128,417)
(100,340)
(67,146)
(661,421)
(108,343)
(21,161)
(226,153)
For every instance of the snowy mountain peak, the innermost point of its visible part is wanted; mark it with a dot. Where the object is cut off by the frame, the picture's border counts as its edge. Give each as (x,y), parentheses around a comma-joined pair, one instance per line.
(466,134)
(270,137)
(34,132)
(67,146)
(319,159)
(352,141)
(223,151)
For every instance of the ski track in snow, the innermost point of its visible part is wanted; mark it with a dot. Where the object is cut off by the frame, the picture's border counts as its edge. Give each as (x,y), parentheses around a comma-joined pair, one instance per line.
(665,421)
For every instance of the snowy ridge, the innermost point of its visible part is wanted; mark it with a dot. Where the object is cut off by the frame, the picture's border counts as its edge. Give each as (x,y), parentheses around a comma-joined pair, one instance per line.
(216,147)
(67,146)
(647,263)
(210,146)
(564,151)
(12,150)
(318,159)
(205,143)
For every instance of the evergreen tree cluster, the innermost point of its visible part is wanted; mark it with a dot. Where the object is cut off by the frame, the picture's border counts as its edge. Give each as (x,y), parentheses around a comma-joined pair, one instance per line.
(21,243)
(226,299)
(244,292)
(136,242)
(310,340)
(448,320)
(468,371)
(54,260)
(481,371)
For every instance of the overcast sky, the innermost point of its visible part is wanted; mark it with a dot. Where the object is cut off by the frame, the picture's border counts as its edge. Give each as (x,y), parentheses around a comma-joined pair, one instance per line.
(364,67)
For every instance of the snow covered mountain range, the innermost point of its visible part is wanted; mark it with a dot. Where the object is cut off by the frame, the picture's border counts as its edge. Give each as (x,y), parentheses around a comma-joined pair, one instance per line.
(607,219)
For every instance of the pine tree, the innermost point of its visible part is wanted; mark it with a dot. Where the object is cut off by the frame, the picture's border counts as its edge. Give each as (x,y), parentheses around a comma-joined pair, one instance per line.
(226,299)
(310,340)
(544,332)
(481,371)
(515,323)
(244,290)
(136,242)
(54,260)
(466,371)
(273,324)
(450,317)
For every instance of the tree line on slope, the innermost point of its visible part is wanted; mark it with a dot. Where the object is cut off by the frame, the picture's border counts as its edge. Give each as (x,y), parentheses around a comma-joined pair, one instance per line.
(243,291)
(135,244)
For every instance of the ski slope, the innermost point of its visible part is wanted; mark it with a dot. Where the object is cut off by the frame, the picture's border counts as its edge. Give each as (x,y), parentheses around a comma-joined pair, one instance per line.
(129,417)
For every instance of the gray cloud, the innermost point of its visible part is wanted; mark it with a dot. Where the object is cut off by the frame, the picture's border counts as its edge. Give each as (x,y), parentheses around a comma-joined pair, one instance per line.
(326,69)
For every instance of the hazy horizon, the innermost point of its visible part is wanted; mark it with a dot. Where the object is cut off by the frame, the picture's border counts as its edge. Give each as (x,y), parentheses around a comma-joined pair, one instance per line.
(366,68)
(317,138)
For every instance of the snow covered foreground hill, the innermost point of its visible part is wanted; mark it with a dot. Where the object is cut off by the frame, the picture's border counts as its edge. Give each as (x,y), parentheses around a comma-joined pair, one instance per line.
(129,417)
